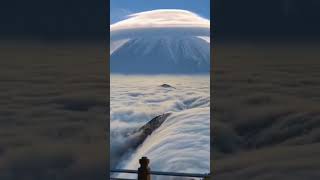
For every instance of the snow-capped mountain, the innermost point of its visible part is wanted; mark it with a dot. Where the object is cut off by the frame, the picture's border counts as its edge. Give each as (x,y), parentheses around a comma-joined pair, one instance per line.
(160,42)
(162,55)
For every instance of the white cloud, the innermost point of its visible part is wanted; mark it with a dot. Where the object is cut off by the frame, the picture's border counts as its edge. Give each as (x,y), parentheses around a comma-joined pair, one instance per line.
(162,18)
(137,99)
(158,23)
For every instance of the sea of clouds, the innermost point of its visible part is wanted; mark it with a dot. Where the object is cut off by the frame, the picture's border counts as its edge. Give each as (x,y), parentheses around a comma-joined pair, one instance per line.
(182,142)
(136,99)
(266,112)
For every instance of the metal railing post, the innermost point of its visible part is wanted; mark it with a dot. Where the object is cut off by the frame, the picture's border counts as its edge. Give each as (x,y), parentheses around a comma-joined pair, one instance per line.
(144,170)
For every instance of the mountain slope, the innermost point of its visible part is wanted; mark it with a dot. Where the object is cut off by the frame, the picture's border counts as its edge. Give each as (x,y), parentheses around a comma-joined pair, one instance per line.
(164,54)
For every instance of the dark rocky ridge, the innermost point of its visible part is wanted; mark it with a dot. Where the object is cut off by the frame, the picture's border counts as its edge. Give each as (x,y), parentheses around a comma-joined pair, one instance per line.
(136,137)
(152,125)
(167,86)
(142,133)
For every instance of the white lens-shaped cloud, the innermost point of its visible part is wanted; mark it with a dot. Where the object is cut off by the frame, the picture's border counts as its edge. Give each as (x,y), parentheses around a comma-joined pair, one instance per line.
(160,22)
(162,18)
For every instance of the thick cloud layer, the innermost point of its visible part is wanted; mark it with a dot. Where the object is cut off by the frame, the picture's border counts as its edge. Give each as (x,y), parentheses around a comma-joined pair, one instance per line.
(266,117)
(137,99)
(52,112)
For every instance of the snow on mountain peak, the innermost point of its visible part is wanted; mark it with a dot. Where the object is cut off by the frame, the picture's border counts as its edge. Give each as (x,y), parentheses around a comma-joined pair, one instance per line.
(161,41)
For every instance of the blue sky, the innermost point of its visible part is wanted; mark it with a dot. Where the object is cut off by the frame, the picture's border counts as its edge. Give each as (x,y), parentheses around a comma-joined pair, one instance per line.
(119,9)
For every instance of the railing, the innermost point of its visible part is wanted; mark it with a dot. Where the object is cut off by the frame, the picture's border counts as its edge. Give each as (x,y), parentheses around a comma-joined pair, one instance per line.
(144,172)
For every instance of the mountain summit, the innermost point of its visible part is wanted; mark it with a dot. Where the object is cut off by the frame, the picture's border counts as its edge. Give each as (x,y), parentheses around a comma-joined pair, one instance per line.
(175,42)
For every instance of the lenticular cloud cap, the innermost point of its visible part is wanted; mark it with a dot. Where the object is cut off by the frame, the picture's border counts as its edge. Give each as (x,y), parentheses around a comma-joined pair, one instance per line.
(161,22)
(162,18)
